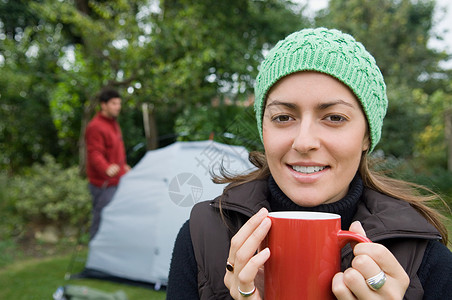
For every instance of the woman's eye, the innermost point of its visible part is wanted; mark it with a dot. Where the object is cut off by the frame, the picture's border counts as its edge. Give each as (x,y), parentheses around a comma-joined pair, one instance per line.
(282,118)
(336,118)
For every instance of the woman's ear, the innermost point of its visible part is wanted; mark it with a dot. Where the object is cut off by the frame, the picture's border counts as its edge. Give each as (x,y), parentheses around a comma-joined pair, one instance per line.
(366,143)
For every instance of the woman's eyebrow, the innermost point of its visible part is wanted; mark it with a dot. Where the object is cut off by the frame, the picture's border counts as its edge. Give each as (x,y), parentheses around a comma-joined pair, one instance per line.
(321,106)
(326,105)
(282,103)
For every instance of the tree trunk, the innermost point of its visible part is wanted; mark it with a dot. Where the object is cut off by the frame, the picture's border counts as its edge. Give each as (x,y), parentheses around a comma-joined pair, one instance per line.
(88,112)
(150,128)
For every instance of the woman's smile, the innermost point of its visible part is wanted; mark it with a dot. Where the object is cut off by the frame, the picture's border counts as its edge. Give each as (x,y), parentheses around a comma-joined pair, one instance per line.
(308,170)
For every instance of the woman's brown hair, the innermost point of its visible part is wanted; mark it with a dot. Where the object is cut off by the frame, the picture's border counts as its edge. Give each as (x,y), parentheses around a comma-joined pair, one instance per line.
(418,196)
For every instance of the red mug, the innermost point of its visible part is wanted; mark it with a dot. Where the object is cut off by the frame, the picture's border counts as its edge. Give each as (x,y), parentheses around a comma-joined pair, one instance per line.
(305,254)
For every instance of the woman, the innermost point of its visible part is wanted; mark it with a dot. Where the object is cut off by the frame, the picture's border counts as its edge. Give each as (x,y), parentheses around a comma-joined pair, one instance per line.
(320,103)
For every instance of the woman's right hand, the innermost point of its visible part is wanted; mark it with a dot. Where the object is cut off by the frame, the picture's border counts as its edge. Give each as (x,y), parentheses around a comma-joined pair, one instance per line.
(247,273)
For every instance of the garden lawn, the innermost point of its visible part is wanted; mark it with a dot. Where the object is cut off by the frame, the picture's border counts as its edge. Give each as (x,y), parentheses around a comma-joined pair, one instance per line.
(39,278)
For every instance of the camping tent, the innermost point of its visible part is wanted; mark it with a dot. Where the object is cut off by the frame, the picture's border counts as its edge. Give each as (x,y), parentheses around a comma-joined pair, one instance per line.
(139,226)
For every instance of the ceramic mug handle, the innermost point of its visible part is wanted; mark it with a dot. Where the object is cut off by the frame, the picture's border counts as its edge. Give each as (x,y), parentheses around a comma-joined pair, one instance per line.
(345,236)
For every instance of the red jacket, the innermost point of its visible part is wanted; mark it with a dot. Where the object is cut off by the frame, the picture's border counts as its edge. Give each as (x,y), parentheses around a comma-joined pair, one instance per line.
(104,147)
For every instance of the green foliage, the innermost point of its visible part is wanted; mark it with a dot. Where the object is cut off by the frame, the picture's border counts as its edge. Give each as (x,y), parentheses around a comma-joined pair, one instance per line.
(430,143)
(12,223)
(222,54)
(178,55)
(49,194)
(404,120)
(26,131)
(395,32)
(437,179)
(131,122)
(16,14)
(229,124)
(175,56)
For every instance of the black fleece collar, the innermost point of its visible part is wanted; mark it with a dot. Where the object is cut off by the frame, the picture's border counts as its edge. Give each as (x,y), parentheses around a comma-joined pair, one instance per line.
(346,207)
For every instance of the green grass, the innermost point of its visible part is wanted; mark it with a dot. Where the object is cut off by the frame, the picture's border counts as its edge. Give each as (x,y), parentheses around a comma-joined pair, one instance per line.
(39,278)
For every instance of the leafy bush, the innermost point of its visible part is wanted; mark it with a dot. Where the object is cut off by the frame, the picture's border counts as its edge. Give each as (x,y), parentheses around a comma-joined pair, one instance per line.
(12,224)
(230,124)
(439,180)
(49,194)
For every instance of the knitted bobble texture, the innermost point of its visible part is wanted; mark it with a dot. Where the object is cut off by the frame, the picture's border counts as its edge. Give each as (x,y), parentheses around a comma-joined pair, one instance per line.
(331,52)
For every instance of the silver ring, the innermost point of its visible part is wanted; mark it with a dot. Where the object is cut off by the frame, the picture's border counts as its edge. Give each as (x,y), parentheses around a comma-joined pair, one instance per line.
(377,281)
(247,294)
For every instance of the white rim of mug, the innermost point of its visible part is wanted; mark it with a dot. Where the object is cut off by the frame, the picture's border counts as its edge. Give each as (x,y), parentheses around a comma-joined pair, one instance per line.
(303,215)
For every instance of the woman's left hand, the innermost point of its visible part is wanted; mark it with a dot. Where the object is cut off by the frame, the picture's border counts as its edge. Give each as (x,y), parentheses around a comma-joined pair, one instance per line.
(370,259)
(247,263)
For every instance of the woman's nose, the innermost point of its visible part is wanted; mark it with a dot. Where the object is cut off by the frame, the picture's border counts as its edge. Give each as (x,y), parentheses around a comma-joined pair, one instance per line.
(306,138)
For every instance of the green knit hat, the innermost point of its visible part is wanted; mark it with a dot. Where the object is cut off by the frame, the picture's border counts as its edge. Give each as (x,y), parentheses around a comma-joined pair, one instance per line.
(332,52)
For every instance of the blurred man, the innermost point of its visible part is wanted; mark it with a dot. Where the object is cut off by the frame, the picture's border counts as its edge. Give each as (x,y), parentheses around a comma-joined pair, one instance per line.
(106,157)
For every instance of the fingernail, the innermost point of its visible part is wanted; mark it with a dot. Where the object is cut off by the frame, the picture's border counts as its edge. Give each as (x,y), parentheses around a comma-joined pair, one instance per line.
(265,221)
(262,211)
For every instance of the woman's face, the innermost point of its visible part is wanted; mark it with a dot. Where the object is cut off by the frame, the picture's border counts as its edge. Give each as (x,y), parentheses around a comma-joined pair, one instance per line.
(314,133)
